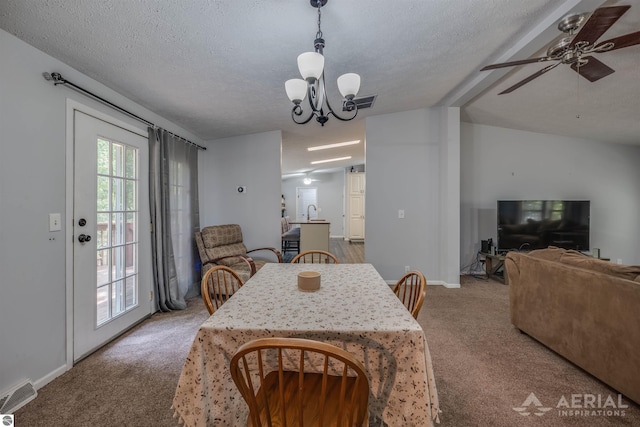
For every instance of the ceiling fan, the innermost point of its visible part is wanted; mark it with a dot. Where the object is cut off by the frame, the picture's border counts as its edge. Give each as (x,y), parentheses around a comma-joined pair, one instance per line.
(576,49)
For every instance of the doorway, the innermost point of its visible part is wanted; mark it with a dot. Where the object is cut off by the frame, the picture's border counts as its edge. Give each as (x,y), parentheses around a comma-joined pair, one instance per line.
(306,196)
(110,255)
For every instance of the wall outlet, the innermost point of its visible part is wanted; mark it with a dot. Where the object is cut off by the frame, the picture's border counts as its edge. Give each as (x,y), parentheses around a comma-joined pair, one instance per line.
(400,213)
(619,261)
(407,269)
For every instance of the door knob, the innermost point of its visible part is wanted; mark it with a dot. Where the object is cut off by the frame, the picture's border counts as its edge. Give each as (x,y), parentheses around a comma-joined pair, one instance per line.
(83,238)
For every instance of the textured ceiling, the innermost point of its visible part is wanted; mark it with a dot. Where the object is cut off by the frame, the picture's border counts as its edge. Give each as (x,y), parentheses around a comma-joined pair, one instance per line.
(217,68)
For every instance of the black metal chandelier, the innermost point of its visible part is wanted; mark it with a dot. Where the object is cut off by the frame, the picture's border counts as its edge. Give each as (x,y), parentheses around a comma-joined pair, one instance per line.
(311,86)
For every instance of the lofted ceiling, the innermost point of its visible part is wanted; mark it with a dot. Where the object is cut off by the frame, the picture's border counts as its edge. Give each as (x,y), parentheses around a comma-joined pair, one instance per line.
(217,68)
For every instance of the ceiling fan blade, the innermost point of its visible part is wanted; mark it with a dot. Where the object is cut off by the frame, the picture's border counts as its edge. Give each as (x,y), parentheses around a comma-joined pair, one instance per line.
(531,77)
(627,40)
(593,70)
(512,63)
(599,22)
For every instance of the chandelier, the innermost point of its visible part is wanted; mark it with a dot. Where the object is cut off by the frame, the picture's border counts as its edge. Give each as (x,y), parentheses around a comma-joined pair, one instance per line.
(311,86)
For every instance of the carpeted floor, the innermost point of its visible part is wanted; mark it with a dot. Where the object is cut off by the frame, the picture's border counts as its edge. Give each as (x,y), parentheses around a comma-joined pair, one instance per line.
(484,368)
(130,382)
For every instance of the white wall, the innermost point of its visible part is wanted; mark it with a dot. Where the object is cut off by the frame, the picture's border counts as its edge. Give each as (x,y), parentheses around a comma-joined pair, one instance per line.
(502,163)
(404,172)
(252,161)
(33,341)
(331,188)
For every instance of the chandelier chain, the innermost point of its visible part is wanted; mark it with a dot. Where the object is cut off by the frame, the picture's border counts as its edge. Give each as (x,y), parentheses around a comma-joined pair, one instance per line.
(319,33)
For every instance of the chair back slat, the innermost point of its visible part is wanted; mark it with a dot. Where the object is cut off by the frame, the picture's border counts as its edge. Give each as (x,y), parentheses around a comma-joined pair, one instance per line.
(302,382)
(315,257)
(411,290)
(218,285)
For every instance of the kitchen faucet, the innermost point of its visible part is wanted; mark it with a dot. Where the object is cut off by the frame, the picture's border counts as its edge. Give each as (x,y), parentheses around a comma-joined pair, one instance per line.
(314,208)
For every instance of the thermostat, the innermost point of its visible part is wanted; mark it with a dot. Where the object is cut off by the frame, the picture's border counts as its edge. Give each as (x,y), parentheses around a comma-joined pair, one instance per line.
(242,189)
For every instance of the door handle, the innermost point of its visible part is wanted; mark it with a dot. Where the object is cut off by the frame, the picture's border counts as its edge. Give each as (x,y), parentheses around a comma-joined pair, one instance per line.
(83,238)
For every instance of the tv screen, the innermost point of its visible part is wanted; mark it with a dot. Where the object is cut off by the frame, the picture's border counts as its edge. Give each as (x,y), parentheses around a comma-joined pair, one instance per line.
(536,224)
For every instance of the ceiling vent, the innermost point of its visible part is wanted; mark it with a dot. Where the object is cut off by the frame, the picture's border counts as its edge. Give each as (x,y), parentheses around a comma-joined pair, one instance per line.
(364,102)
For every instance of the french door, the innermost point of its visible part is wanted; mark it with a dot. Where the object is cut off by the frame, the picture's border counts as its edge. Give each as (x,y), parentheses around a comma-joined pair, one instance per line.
(111,253)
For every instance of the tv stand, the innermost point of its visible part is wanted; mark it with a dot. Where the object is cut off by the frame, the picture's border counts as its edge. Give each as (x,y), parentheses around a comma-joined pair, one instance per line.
(494,266)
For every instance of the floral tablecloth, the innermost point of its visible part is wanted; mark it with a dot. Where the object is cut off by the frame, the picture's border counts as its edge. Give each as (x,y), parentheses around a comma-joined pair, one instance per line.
(353,309)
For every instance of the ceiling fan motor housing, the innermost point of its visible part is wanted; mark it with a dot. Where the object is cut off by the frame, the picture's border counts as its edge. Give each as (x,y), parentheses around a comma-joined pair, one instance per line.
(557,50)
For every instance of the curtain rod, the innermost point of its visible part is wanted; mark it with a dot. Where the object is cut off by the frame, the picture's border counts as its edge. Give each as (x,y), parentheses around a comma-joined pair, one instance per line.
(59,80)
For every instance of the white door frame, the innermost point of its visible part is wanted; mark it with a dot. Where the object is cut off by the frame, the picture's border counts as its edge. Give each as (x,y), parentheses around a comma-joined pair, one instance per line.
(69,171)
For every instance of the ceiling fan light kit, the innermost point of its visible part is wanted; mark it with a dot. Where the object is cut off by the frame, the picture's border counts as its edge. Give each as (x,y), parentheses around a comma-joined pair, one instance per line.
(577,49)
(312,86)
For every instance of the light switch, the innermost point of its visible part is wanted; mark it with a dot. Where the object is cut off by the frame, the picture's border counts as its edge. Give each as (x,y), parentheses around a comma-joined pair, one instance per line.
(55,222)
(400,213)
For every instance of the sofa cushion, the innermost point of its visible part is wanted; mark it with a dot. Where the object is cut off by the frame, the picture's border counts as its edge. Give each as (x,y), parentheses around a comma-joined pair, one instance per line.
(551,253)
(576,259)
(580,260)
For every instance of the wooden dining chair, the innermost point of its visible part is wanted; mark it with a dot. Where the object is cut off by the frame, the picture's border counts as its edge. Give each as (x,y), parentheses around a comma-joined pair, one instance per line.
(411,289)
(300,383)
(315,257)
(218,285)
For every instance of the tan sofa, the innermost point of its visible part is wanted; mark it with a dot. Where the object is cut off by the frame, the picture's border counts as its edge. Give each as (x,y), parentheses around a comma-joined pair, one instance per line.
(583,308)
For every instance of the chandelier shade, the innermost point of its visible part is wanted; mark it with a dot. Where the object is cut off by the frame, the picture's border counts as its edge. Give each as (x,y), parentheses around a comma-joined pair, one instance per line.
(296,90)
(349,85)
(312,85)
(311,66)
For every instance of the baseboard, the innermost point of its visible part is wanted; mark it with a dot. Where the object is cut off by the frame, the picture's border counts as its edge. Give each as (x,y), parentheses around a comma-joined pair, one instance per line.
(450,285)
(432,283)
(38,384)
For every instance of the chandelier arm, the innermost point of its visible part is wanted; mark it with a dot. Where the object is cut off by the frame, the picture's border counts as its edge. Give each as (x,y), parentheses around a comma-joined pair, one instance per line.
(344,119)
(298,113)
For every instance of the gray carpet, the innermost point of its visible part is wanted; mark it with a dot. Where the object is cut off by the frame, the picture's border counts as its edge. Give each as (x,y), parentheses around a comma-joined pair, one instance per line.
(483,366)
(130,382)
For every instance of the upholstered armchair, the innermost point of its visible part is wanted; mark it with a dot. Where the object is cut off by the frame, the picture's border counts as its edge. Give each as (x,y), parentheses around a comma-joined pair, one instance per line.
(223,245)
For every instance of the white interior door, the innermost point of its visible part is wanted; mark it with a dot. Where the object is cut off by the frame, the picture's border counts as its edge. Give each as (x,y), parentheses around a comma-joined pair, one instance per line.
(306,196)
(356,195)
(111,249)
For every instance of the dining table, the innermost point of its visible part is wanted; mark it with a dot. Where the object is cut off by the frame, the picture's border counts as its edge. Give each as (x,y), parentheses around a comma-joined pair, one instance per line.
(354,309)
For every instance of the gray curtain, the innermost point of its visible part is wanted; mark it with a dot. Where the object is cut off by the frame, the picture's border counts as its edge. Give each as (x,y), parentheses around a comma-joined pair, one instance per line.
(173,194)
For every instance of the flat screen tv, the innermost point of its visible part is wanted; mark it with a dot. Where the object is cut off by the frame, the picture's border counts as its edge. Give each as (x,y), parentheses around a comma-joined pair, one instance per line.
(536,224)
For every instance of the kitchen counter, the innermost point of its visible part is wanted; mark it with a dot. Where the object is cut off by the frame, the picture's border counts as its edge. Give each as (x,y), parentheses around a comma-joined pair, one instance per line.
(314,235)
